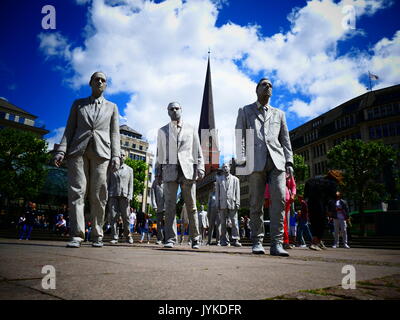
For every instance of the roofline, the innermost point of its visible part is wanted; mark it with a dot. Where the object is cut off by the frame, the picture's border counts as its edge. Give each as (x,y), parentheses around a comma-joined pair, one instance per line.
(17,109)
(346,102)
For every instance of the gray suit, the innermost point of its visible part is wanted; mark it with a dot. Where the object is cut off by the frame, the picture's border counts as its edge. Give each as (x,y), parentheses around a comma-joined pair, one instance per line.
(179,156)
(157,201)
(213,218)
(228,202)
(120,192)
(268,160)
(91,138)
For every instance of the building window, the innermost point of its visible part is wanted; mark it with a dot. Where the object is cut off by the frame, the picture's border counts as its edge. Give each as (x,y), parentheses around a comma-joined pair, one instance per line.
(126,144)
(134,146)
(140,147)
(21,120)
(2,115)
(11,117)
(384,130)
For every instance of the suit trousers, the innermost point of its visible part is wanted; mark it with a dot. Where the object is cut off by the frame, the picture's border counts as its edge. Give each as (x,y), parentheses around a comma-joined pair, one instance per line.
(277,190)
(160,225)
(188,188)
(215,224)
(119,206)
(233,215)
(340,227)
(87,175)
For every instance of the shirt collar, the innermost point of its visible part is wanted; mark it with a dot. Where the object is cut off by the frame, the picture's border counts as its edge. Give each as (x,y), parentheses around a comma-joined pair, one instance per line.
(260,106)
(177,123)
(99,100)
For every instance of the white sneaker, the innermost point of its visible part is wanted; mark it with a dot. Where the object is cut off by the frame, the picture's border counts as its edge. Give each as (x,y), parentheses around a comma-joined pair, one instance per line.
(334,246)
(346,246)
(114,241)
(159,242)
(303,246)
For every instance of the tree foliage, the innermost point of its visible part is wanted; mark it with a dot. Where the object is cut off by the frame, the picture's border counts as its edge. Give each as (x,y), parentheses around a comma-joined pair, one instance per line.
(23,156)
(301,172)
(362,164)
(139,175)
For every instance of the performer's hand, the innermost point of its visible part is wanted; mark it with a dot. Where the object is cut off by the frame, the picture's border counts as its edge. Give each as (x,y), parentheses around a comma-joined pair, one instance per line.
(115,163)
(200,174)
(58,159)
(290,171)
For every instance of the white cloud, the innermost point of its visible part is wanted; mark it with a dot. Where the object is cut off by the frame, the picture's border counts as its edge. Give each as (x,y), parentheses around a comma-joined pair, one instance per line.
(55,137)
(156,52)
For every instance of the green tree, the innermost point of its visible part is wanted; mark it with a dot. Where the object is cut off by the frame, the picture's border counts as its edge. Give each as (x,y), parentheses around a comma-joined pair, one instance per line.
(301,172)
(139,175)
(362,165)
(23,156)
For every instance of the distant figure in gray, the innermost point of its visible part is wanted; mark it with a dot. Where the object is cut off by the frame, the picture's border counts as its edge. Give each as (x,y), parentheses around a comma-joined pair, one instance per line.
(213,217)
(179,163)
(91,141)
(228,203)
(120,193)
(269,158)
(203,223)
(157,201)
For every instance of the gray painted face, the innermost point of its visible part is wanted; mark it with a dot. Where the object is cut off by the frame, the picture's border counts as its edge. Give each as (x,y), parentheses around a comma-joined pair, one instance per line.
(264,89)
(98,83)
(226,168)
(175,111)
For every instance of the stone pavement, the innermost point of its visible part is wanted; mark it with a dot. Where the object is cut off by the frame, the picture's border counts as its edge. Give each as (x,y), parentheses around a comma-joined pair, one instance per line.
(150,272)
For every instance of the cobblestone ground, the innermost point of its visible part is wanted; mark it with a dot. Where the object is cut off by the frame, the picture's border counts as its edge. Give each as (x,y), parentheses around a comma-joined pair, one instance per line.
(386,288)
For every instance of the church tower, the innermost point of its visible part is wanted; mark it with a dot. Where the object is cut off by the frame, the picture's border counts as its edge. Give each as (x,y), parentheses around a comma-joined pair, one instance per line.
(207,130)
(209,140)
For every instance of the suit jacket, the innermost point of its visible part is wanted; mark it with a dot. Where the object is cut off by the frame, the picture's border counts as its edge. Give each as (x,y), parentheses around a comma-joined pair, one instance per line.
(83,125)
(121,182)
(228,192)
(175,149)
(271,136)
(157,196)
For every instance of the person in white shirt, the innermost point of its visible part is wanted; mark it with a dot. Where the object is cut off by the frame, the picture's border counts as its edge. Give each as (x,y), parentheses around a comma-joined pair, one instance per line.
(203,224)
(340,217)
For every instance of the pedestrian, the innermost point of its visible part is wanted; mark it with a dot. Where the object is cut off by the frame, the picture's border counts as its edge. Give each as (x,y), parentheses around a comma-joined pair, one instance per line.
(303,228)
(132,220)
(340,215)
(213,217)
(203,224)
(319,192)
(145,228)
(30,221)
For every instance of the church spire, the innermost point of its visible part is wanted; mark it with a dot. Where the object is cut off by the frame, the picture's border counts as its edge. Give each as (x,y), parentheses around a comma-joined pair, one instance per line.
(207,122)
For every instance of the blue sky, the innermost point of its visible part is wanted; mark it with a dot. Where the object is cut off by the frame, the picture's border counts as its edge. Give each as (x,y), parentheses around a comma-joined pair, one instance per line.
(155,53)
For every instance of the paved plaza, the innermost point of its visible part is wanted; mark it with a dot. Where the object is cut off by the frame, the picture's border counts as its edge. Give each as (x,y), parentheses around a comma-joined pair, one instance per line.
(150,272)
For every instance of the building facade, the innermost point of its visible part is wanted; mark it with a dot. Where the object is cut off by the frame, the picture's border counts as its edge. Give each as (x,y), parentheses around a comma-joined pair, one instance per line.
(136,147)
(15,117)
(372,116)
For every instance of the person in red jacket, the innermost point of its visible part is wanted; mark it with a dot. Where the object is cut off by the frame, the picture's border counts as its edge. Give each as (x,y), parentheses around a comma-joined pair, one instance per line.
(290,195)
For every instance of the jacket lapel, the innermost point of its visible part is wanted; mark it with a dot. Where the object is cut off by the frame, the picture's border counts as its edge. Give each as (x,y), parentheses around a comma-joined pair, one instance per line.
(269,113)
(87,110)
(257,113)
